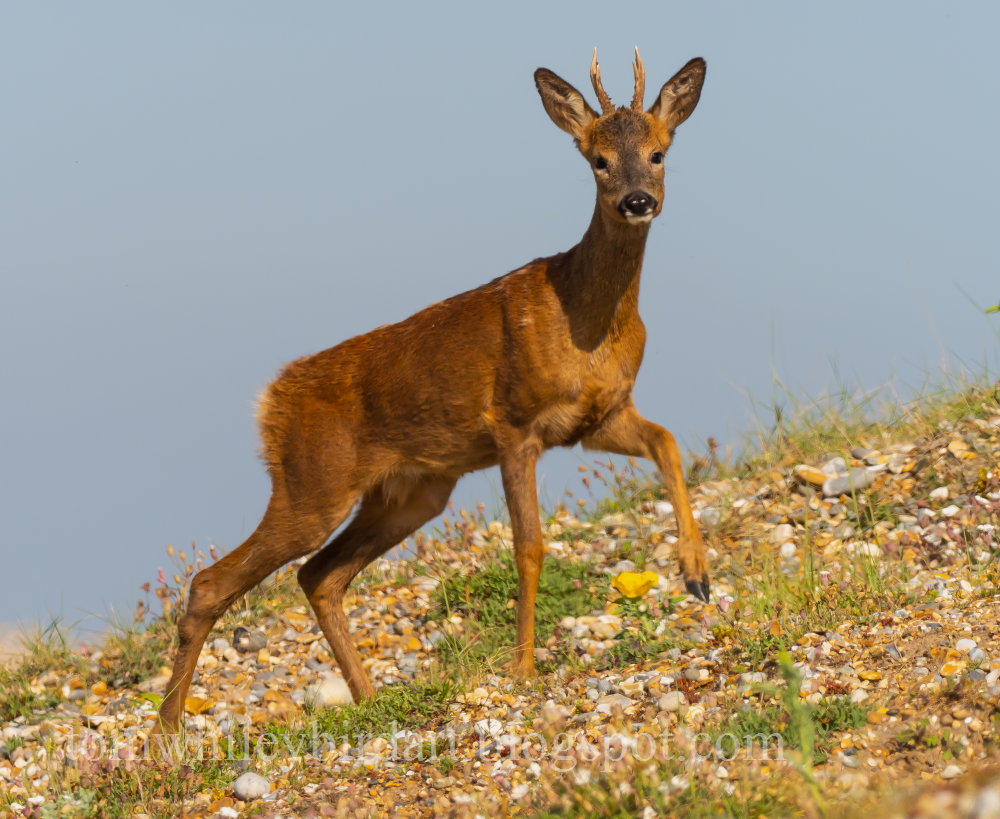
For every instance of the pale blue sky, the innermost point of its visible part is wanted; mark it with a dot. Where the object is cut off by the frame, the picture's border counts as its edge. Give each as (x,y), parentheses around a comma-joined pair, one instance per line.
(194,194)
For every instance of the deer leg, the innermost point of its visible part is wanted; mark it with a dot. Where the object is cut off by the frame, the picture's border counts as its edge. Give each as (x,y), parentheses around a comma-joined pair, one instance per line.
(628,433)
(280,537)
(517,470)
(382,521)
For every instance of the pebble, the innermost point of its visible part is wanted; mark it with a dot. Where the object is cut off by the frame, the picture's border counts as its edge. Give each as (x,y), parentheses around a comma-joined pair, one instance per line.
(488,727)
(853,481)
(869,549)
(965,645)
(951,772)
(787,550)
(328,692)
(250,786)
(632,688)
(834,467)
(248,642)
(663,509)
(671,701)
(710,516)
(782,533)
(607,703)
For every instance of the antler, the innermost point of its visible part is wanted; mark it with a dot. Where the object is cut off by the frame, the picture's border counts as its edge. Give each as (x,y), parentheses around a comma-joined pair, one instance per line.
(602,96)
(640,81)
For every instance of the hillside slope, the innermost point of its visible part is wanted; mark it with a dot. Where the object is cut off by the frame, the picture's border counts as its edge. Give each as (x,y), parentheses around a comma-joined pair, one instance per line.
(850,658)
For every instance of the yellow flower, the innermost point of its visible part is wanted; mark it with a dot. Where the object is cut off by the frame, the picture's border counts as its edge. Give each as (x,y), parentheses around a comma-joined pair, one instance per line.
(633,584)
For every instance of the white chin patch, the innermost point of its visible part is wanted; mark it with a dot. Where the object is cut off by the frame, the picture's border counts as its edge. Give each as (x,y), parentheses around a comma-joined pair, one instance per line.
(638,220)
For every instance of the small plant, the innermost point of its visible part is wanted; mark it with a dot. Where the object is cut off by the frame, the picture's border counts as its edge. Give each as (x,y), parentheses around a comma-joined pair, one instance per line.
(487,600)
(395,706)
(45,649)
(645,641)
(870,509)
(133,653)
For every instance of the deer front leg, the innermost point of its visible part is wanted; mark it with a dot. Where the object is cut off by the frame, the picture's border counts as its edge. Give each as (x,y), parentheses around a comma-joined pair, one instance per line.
(628,433)
(517,470)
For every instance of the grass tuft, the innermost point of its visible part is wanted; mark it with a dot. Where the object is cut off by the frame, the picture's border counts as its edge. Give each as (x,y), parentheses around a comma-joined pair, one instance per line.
(486,600)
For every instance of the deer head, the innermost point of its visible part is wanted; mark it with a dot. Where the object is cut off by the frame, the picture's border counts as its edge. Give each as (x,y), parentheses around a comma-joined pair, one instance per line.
(624,146)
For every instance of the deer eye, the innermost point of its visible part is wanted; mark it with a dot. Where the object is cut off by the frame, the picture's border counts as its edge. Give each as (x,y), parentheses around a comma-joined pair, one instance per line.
(657,157)
(601,163)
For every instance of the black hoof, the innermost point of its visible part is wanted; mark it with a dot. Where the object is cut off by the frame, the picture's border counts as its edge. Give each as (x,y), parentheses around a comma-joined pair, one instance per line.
(698,588)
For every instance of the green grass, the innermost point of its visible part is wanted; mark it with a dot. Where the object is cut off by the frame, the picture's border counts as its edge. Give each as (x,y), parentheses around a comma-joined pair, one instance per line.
(606,799)
(160,792)
(831,716)
(45,649)
(409,705)
(487,598)
(641,642)
(790,605)
(133,653)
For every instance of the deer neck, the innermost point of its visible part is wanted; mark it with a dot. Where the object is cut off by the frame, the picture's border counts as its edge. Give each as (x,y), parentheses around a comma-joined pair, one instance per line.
(599,282)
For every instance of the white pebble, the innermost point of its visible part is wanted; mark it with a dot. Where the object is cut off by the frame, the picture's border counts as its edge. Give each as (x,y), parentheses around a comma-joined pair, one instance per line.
(519,791)
(858,695)
(781,533)
(950,512)
(488,727)
(965,644)
(787,550)
(951,772)
(672,701)
(250,786)
(869,549)
(834,467)
(328,692)
(939,494)
(663,509)
(709,515)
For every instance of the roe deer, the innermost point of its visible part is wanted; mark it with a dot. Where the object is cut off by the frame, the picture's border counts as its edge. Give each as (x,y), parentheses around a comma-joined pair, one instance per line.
(388,421)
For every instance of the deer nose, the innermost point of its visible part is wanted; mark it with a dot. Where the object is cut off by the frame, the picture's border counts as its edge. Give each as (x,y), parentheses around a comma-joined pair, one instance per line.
(637,203)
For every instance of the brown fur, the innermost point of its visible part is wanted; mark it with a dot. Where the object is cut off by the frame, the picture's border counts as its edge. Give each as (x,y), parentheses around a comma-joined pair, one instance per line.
(388,421)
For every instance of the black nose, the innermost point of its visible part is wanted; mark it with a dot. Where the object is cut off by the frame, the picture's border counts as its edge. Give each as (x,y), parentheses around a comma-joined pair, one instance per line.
(638,203)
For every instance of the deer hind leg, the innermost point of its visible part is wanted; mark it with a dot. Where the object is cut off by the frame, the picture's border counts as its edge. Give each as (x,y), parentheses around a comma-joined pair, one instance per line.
(384,518)
(628,433)
(282,535)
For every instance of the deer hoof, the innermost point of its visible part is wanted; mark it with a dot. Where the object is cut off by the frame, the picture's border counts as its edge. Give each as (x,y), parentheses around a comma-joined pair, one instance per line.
(698,588)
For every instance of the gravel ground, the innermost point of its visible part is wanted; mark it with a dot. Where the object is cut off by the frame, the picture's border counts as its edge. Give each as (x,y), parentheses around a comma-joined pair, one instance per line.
(851,654)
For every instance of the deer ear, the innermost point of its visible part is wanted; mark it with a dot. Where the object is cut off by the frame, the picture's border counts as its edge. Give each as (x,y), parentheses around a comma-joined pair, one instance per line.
(679,94)
(564,104)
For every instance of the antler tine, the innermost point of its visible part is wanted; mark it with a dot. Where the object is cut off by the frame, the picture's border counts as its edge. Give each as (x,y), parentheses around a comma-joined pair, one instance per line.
(602,96)
(640,81)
